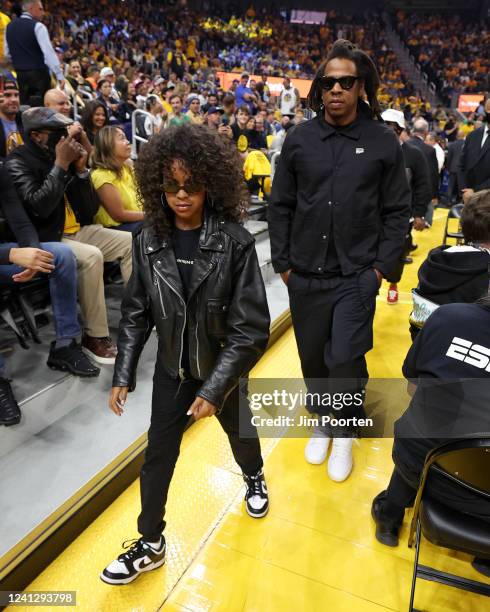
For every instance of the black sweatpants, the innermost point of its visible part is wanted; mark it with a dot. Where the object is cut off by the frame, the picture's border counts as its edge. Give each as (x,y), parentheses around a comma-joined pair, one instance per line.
(33,84)
(170,402)
(396,274)
(333,325)
(400,494)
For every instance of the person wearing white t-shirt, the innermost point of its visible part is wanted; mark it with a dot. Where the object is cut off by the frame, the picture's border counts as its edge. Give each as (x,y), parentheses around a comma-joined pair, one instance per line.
(289,98)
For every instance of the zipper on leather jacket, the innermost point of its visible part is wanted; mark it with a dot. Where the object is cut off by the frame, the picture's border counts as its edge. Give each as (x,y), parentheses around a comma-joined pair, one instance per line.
(162,305)
(181,370)
(197,337)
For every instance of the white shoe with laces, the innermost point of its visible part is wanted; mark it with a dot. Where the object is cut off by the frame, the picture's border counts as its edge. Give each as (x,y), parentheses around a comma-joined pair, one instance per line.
(140,556)
(317,447)
(340,462)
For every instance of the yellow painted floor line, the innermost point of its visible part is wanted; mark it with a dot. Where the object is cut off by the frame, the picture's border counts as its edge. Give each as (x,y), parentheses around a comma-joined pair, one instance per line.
(315,550)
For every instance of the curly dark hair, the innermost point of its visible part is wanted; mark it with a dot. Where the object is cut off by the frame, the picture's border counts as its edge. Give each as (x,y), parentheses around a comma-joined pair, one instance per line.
(210,160)
(366,70)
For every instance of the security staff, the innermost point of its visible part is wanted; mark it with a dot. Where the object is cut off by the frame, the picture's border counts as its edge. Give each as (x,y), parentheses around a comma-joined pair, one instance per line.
(419,180)
(33,57)
(338,214)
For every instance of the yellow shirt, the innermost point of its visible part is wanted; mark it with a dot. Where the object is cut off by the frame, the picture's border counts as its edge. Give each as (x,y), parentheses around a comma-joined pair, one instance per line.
(4,21)
(126,187)
(71,224)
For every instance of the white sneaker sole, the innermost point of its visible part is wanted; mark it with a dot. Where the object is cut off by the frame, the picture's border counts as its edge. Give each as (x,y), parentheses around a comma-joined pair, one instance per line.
(255,515)
(96,358)
(336,479)
(131,578)
(318,459)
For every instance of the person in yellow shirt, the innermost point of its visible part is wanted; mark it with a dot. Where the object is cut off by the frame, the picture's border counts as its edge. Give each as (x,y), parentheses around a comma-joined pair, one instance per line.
(4,21)
(113,178)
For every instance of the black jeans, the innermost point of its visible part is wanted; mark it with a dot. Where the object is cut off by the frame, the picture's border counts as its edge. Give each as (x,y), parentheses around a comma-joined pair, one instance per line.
(33,84)
(333,325)
(170,402)
(397,272)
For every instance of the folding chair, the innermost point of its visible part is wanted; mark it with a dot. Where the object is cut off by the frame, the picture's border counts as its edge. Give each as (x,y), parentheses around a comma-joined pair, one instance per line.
(454,213)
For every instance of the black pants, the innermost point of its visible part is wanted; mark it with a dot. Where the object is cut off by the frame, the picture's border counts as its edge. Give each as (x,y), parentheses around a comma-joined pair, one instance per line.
(400,494)
(170,402)
(33,84)
(333,326)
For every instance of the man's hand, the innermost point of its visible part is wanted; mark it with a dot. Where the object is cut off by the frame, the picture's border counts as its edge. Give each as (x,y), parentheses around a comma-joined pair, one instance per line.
(285,276)
(75,130)
(225,130)
(379,275)
(24,276)
(419,224)
(467,193)
(117,399)
(81,163)
(201,408)
(35,260)
(67,151)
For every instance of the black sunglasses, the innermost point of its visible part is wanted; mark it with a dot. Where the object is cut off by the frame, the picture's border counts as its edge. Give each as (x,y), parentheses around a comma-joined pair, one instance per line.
(190,187)
(346,82)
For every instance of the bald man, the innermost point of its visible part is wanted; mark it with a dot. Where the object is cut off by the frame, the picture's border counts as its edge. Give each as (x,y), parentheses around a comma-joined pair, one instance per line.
(60,102)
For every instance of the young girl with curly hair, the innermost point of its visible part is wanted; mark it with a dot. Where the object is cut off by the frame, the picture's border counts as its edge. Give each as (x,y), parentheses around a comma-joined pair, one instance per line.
(196,278)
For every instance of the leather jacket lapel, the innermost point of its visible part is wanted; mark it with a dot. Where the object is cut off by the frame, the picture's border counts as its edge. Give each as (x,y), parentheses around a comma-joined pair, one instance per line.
(162,259)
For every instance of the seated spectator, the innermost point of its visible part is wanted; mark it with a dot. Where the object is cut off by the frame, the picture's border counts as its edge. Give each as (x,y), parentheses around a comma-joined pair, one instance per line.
(94,117)
(20,261)
(259,136)
(241,130)
(158,116)
(177,117)
(104,94)
(113,178)
(10,120)
(456,273)
(194,112)
(60,103)
(75,78)
(449,401)
(278,140)
(50,175)
(107,74)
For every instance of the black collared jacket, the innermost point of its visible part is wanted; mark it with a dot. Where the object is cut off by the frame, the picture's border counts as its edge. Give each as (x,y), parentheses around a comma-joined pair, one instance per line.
(226,312)
(350,184)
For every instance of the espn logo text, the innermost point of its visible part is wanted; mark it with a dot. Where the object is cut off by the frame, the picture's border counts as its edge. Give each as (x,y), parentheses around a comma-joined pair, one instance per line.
(474,354)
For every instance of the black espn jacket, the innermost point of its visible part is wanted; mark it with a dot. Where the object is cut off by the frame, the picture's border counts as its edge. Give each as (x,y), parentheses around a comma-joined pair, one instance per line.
(226,312)
(361,197)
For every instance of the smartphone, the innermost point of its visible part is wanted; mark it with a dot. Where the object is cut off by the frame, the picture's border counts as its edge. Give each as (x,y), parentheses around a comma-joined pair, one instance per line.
(225,120)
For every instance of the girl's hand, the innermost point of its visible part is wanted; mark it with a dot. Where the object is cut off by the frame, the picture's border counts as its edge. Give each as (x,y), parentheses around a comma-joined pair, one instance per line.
(202,408)
(117,399)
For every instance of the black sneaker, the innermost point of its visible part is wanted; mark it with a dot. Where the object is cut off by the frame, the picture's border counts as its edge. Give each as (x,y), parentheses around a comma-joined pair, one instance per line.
(9,409)
(256,496)
(386,530)
(482,566)
(71,359)
(141,557)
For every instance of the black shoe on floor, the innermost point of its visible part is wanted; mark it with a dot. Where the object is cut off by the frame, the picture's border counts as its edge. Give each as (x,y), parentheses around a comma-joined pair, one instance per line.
(386,530)
(9,409)
(256,496)
(141,557)
(482,566)
(71,359)
(413,247)
(407,260)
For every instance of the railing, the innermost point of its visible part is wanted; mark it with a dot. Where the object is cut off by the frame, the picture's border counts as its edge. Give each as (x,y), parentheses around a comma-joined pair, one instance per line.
(85,95)
(135,137)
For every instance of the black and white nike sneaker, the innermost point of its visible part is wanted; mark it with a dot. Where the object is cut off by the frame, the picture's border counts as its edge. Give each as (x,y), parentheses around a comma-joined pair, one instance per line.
(141,557)
(256,496)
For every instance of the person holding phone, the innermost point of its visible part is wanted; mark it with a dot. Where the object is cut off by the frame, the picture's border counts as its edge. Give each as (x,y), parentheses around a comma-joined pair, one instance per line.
(196,278)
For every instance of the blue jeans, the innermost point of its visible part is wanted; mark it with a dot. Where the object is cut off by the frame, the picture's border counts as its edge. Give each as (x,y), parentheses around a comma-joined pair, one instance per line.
(62,288)
(129,227)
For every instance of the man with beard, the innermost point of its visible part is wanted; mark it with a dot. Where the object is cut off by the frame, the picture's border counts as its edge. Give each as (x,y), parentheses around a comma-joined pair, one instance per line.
(474,165)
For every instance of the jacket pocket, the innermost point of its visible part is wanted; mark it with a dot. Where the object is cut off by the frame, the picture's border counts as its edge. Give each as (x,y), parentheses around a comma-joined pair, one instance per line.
(217,316)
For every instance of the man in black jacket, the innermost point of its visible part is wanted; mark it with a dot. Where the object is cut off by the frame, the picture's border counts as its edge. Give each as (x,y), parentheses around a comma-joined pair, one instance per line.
(50,174)
(452,166)
(474,165)
(420,131)
(339,210)
(419,181)
(20,260)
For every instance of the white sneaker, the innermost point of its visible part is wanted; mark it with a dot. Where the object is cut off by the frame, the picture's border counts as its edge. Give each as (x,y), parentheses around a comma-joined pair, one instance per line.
(340,461)
(317,447)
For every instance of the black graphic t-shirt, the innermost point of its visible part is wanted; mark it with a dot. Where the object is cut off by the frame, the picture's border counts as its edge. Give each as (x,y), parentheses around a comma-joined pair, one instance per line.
(185,244)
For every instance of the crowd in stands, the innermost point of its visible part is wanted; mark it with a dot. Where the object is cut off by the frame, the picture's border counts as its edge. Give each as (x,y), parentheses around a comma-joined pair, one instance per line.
(453,50)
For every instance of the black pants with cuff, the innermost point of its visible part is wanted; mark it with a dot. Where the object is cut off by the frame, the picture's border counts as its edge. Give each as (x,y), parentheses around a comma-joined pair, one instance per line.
(33,84)
(396,274)
(333,325)
(170,402)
